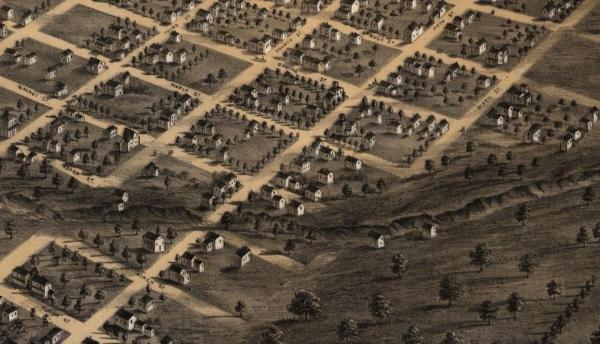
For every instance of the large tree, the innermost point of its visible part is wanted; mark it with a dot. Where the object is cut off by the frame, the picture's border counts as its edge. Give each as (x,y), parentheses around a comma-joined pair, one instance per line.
(488,311)
(399,265)
(522,214)
(515,304)
(305,305)
(272,335)
(481,256)
(450,289)
(528,264)
(452,338)
(379,307)
(347,329)
(413,336)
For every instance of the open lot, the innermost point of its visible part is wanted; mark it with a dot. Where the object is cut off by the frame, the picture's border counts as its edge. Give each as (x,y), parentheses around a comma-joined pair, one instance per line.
(70,276)
(25,109)
(205,69)
(347,61)
(492,29)
(591,23)
(96,152)
(27,328)
(250,144)
(22,6)
(396,138)
(141,106)
(289,98)
(237,27)
(395,16)
(451,90)
(567,65)
(73,74)
(222,285)
(535,8)
(170,318)
(101,36)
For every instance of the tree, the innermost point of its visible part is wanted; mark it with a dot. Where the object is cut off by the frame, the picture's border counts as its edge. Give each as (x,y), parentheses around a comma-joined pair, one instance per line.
(488,311)
(98,240)
(429,165)
(413,336)
(528,264)
(10,229)
(23,171)
(380,185)
(126,254)
(469,173)
(379,307)
(272,335)
(171,234)
(588,195)
(290,246)
(399,265)
(521,170)
(66,302)
(312,235)
(99,296)
(452,338)
(240,308)
(57,180)
(347,329)
(553,288)
(445,161)
(583,237)
(46,168)
(522,214)
(73,184)
(515,304)
(305,305)
(227,219)
(470,147)
(347,191)
(82,235)
(596,231)
(450,290)
(595,337)
(136,226)
(141,259)
(481,256)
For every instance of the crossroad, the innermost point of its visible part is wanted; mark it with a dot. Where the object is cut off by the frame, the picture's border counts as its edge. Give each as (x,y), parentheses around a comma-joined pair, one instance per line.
(163,143)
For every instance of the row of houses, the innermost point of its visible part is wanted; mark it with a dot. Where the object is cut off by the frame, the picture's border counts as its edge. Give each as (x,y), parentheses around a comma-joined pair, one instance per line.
(8,13)
(118,40)
(29,279)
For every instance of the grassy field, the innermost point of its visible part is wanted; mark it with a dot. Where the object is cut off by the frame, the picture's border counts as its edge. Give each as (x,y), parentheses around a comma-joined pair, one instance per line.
(491,28)
(77,276)
(21,6)
(73,74)
(591,23)
(396,17)
(32,327)
(139,107)
(438,94)
(567,65)
(346,57)
(200,65)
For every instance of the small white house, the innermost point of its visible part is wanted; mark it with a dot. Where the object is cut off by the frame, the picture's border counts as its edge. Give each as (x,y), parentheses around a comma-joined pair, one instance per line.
(376,240)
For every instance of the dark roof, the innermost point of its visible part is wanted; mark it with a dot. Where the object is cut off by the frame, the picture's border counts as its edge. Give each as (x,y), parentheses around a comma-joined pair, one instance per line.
(21,270)
(152,236)
(39,279)
(124,314)
(211,236)
(242,251)
(167,340)
(313,188)
(375,235)
(294,203)
(128,134)
(351,159)
(188,255)
(177,268)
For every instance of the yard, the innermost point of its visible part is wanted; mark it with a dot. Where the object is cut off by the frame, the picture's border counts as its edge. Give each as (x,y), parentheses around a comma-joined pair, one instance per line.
(289,98)
(91,29)
(96,152)
(239,26)
(205,69)
(141,106)
(395,17)
(22,6)
(533,8)
(349,60)
(27,328)
(497,32)
(265,288)
(591,23)
(250,144)
(394,141)
(450,89)
(73,74)
(170,318)
(24,108)
(70,276)
(567,64)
